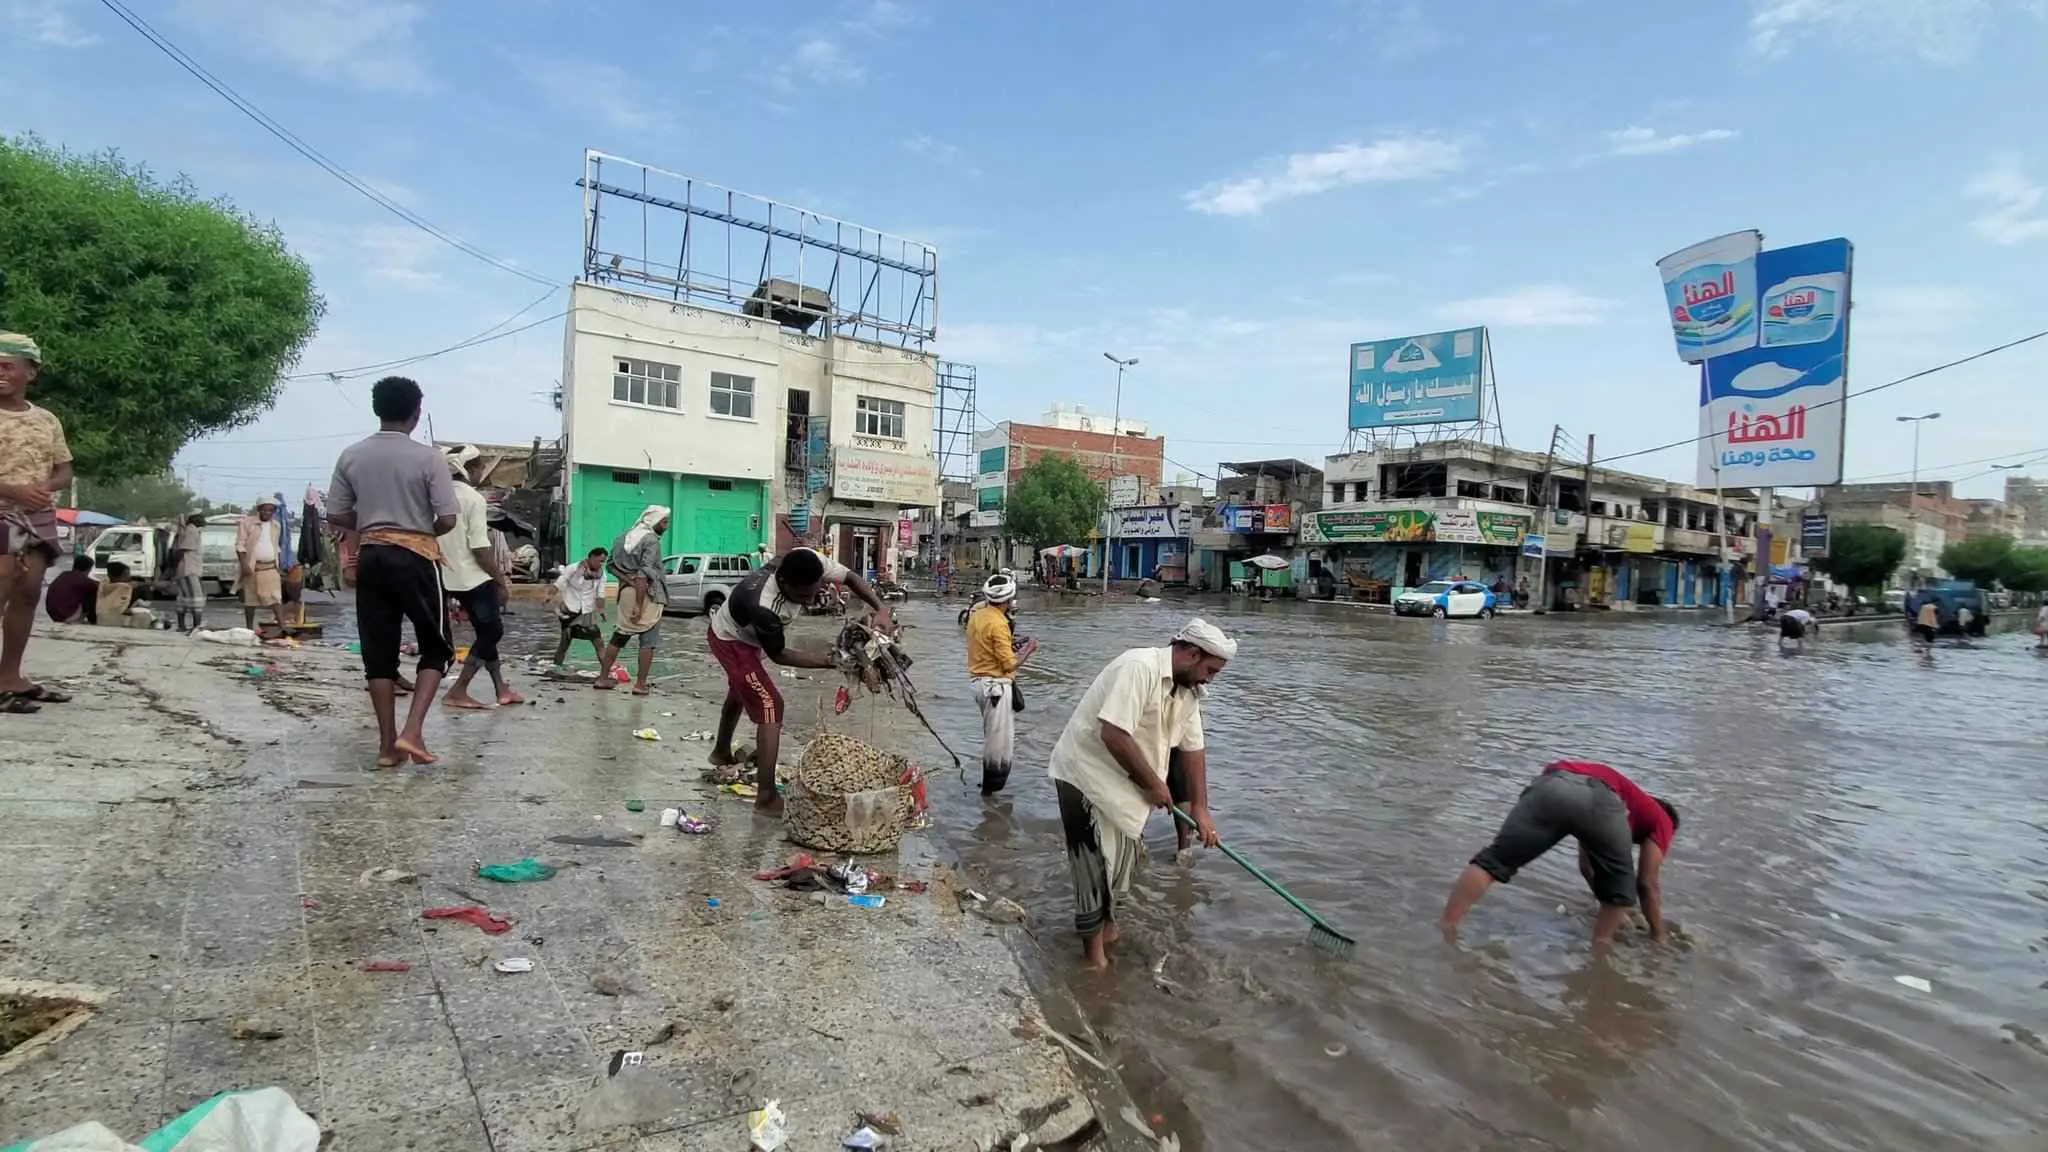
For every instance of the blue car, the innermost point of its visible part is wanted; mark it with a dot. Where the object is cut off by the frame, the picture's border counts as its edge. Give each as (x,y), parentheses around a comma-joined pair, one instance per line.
(1442,598)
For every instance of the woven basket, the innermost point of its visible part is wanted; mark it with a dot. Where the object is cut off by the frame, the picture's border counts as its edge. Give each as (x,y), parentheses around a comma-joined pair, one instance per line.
(846,796)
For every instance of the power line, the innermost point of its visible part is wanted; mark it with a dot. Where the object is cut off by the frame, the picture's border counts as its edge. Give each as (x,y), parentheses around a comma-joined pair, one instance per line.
(1930,468)
(264,120)
(2010,344)
(484,337)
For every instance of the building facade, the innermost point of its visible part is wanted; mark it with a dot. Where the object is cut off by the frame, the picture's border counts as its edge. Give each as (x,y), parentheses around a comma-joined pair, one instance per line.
(749,432)
(1129,468)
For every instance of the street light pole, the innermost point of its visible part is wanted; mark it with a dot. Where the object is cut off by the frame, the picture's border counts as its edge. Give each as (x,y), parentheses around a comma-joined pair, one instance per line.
(1913,497)
(1116,420)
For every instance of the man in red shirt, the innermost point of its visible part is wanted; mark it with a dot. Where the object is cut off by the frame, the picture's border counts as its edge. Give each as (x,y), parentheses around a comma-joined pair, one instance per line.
(1608,815)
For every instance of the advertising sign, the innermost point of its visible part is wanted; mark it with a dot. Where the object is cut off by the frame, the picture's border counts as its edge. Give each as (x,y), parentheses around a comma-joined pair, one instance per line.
(1432,379)
(1157,522)
(988,499)
(1710,289)
(1772,415)
(887,477)
(993,460)
(985,519)
(1123,491)
(1258,518)
(1279,518)
(1532,546)
(1813,534)
(1419,526)
(906,534)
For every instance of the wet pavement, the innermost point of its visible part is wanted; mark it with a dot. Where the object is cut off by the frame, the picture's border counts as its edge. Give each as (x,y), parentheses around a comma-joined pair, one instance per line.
(193,841)
(1856,813)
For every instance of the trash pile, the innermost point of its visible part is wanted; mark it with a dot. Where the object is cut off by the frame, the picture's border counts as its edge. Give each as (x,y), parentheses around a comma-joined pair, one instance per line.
(848,878)
(848,796)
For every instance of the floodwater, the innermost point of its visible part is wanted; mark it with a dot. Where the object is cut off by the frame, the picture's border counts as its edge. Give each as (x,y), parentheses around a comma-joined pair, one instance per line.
(1849,815)
(1856,813)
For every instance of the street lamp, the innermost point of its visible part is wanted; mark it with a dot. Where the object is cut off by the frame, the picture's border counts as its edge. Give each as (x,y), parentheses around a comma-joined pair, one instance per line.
(1913,500)
(1116,420)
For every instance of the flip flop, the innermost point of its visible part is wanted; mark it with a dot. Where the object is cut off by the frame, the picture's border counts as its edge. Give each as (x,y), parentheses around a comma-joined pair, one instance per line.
(15,704)
(42,695)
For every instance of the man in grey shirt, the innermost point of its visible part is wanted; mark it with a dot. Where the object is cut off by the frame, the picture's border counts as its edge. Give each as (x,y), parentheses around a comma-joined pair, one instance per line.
(395,494)
(643,596)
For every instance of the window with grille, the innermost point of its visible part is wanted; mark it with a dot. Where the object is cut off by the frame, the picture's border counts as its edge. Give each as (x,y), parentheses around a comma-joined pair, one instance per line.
(879,418)
(649,383)
(732,395)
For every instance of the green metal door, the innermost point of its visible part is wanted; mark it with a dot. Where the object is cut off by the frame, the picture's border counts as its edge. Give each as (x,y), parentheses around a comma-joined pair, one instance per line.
(606,501)
(717,515)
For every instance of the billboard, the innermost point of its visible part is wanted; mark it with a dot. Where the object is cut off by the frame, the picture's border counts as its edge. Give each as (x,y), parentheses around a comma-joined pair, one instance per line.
(1710,289)
(1157,522)
(887,477)
(1771,416)
(1123,491)
(1257,518)
(1436,378)
(1421,526)
(1813,534)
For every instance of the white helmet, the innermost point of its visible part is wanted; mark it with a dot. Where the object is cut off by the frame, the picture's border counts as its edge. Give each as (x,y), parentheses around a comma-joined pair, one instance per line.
(999,589)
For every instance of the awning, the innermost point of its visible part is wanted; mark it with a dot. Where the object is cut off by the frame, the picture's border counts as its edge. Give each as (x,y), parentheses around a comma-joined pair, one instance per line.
(81,518)
(1270,561)
(1062,551)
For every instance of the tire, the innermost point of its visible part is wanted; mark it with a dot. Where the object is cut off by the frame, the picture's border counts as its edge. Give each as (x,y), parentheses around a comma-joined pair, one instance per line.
(1486,613)
(711,603)
(1438,612)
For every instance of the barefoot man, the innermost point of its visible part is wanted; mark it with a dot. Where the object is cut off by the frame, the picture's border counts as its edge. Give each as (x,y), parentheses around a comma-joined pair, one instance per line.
(35,461)
(1110,768)
(643,597)
(472,573)
(396,494)
(752,621)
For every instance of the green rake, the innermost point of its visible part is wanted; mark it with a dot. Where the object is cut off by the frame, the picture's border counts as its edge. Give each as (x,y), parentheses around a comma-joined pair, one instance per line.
(1321,935)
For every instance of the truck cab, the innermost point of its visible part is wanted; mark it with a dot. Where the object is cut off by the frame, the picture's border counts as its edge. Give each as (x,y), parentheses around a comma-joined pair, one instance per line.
(698,582)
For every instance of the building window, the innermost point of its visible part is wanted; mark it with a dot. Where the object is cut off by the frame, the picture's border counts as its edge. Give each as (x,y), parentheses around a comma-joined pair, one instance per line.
(1359,490)
(1506,495)
(1337,493)
(649,383)
(625,478)
(720,485)
(882,419)
(732,395)
(1472,489)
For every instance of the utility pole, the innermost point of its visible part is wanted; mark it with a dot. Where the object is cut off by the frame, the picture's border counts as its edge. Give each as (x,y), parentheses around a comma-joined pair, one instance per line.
(1765,498)
(1727,592)
(1587,499)
(1548,497)
(1116,420)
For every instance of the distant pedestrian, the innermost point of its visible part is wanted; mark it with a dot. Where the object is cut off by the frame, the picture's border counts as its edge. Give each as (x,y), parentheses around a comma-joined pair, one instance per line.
(397,496)
(74,596)
(754,622)
(1927,621)
(579,605)
(35,462)
(993,657)
(1111,769)
(1793,626)
(1609,816)
(473,571)
(259,543)
(186,562)
(643,597)
(2041,626)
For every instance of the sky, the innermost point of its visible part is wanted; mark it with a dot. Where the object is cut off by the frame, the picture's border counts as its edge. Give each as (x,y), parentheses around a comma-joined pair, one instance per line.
(1232,196)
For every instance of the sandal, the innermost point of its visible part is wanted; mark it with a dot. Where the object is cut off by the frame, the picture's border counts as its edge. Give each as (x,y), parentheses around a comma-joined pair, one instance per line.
(42,695)
(17,704)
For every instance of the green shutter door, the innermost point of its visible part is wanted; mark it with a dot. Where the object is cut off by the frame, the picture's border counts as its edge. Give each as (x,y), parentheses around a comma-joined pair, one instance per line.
(719,519)
(607,503)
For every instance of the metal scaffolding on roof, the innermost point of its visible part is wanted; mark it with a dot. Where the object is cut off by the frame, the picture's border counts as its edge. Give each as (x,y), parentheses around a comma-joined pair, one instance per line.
(954,418)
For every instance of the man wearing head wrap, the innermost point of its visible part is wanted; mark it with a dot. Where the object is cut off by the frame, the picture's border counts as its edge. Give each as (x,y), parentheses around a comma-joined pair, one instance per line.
(643,596)
(993,656)
(35,463)
(258,544)
(1110,768)
(473,573)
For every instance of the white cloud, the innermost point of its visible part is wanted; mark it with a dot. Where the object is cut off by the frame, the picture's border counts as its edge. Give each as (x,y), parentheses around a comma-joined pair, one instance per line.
(2013,211)
(1937,31)
(53,22)
(1388,159)
(368,44)
(821,60)
(606,92)
(1537,306)
(393,254)
(1637,141)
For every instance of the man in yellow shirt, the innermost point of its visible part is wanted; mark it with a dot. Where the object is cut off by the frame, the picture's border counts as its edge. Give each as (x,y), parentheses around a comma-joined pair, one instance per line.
(993,656)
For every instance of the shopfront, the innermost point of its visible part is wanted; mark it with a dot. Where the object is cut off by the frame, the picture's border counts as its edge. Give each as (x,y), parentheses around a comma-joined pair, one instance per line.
(1380,552)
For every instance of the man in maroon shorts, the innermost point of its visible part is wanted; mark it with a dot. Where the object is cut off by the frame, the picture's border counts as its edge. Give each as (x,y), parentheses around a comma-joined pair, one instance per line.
(753,621)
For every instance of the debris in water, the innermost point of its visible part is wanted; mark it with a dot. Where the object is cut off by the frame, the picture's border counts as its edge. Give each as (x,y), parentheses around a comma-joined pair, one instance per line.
(864,900)
(647,734)
(862,1137)
(513,965)
(765,1127)
(634,806)
(470,914)
(1916,983)
(525,871)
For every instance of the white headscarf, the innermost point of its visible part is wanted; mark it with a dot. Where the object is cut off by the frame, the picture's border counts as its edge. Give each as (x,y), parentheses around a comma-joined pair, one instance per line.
(459,459)
(644,527)
(1208,637)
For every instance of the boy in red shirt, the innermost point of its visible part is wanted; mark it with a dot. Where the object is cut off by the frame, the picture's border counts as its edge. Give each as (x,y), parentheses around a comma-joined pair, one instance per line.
(1608,815)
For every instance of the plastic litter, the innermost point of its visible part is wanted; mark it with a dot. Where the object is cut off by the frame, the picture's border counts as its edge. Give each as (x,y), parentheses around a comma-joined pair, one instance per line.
(648,734)
(525,871)
(1335,1050)
(514,964)
(766,1127)
(255,671)
(866,901)
(265,1120)
(386,966)
(743,791)
(634,806)
(386,876)
(619,675)
(711,902)
(669,816)
(1916,983)
(862,1137)
(690,825)
(470,914)
(226,636)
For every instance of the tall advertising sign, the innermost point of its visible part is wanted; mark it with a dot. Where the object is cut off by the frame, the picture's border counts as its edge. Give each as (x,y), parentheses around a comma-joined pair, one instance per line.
(1772,416)
(1710,289)
(1437,378)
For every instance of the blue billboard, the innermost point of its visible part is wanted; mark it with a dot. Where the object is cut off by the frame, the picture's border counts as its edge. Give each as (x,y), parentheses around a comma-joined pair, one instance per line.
(1434,379)
(1771,415)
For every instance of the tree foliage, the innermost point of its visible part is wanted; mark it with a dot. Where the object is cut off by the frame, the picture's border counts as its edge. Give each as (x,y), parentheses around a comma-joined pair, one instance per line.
(2026,570)
(158,497)
(1053,502)
(1980,560)
(1862,555)
(162,316)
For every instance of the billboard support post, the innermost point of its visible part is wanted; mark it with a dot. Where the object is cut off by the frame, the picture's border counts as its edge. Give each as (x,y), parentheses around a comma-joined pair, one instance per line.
(1540,605)
(1764,499)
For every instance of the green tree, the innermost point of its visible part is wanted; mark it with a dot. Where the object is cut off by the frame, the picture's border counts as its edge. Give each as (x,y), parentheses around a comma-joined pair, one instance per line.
(162,316)
(1980,560)
(2026,570)
(1053,502)
(158,497)
(1862,556)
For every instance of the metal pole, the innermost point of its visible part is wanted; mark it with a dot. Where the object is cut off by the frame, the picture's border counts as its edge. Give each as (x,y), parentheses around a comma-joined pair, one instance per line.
(1116,420)
(1765,498)
(1721,537)
(1587,499)
(1547,510)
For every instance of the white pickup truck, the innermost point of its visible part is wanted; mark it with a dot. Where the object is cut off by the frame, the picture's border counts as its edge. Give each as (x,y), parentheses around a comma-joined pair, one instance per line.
(698,582)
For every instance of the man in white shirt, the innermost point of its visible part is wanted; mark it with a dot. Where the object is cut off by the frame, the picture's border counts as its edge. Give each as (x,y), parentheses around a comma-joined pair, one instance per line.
(472,574)
(1110,768)
(579,605)
(258,546)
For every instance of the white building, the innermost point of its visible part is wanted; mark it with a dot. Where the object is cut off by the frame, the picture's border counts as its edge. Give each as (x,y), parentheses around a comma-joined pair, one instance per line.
(750,432)
(1077,418)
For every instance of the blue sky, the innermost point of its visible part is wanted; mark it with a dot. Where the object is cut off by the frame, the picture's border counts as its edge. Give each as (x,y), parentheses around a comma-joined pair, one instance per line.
(1233,194)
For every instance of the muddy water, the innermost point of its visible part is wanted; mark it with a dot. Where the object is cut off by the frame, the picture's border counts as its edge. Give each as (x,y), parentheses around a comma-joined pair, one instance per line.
(1850,815)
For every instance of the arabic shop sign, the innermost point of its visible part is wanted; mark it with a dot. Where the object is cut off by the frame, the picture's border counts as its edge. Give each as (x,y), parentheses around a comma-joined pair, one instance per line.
(1272,518)
(1155,522)
(1421,526)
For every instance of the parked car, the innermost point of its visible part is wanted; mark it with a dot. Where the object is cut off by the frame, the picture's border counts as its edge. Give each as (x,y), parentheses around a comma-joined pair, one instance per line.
(699,582)
(1441,598)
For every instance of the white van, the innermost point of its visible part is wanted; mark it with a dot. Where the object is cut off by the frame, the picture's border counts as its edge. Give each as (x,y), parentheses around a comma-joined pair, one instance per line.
(145,548)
